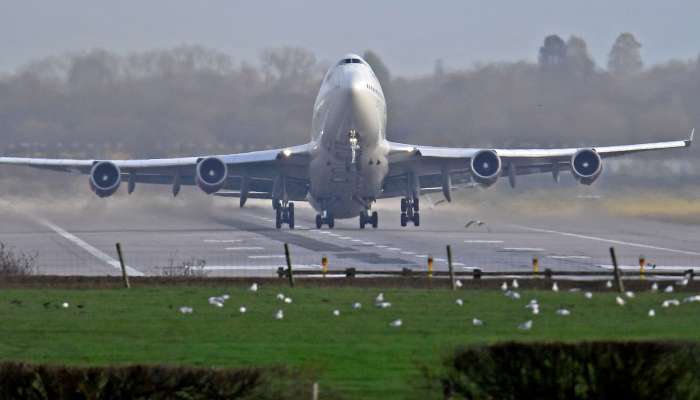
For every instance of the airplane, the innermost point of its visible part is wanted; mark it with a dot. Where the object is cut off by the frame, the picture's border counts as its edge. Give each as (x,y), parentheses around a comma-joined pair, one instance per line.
(348,165)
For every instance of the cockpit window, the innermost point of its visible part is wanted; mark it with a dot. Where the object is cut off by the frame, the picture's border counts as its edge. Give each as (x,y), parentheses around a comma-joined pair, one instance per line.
(350,61)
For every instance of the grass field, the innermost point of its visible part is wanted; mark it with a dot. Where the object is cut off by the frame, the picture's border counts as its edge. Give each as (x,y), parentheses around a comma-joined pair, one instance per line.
(357,353)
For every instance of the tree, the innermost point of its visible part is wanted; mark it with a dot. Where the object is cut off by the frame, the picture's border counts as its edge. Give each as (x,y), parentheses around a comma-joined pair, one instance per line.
(625,58)
(552,52)
(578,60)
(380,69)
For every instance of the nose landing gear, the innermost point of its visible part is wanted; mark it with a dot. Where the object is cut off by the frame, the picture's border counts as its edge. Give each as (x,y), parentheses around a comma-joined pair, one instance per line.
(325,218)
(284,214)
(367,218)
(409,211)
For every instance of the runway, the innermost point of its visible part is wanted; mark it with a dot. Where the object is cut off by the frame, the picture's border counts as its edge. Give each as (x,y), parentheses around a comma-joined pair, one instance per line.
(227,241)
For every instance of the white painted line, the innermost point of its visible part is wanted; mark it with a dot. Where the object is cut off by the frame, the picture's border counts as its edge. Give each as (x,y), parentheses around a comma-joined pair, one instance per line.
(222,240)
(439,259)
(368,243)
(242,248)
(408,253)
(612,241)
(356,240)
(268,256)
(301,226)
(421,255)
(344,238)
(651,270)
(381,246)
(523,249)
(483,241)
(269,219)
(255,267)
(459,264)
(333,234)
(85,246)
(394,249)
(569,257)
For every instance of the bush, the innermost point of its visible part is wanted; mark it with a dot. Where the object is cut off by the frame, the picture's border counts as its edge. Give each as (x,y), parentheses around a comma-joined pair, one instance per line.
(37,382)
(589,370)
(12,263)
(192,268)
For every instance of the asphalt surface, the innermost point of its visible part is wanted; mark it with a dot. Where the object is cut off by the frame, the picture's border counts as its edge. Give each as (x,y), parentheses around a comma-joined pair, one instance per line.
(161,238)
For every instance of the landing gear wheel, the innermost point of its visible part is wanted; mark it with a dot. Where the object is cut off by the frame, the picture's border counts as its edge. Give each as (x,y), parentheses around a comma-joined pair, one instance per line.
(331,221)
(416,219)
(375,220)
(404,205)
(319,221)
(404,219)
(290,215)
(415,204)
(363,220)
(278,218)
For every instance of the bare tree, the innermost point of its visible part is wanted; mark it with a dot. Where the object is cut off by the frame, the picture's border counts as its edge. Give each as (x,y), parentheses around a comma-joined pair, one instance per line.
(625,58)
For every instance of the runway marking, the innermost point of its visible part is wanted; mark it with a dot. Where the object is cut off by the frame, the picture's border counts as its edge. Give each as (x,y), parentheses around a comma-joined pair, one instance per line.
(611,241)
(459,264)
(394,249)
(569,257)
(344,238)
(408,253)
(222,240)
(651,270)
(267,256)
(241,248)
(483,241)
(255,267)
(356,240)
(368,243)
(523,249)
(381,246)
(301,226)
(421,255)
(439,259)
(87,247)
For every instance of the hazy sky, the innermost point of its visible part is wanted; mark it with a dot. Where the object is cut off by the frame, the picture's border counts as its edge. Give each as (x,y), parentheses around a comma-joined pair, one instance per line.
(409,34)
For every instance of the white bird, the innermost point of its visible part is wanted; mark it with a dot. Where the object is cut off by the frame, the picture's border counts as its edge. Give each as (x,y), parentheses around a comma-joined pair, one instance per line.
(458,283)
(512,295)
(65,305)
(536,310)
(515,284)
(563,312)
(186,310)
(395,324)
(574,290)
(384,304)
(288,300)
(477,322)
(672,302)
(279,314)
(532,304)
(620,301)
(525,326)
(504,286)
(216,301)
(380,298)
(654,287)
(225,296)
(684,282)
(459,302)
(356,306)
(254,287)
(629,294)
(555,287)
(218,304)
(280,296)
(242,310)
(608,284)
(336,313)
(588,295)
(669,289)
(692,299)
(652,313)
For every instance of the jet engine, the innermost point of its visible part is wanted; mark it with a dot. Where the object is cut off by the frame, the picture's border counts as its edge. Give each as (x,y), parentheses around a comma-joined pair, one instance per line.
(486,167)
(211,174)
(105,178)
(586,166)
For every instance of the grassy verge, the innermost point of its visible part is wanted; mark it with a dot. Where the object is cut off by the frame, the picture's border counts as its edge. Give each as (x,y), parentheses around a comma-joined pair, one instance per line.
(356,353)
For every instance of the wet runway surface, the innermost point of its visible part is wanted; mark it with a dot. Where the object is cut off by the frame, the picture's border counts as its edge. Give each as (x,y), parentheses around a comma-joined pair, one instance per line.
(227,241)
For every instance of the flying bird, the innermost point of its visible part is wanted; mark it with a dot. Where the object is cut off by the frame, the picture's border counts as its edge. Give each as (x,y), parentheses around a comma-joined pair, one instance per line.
(458,283)
(672,302)
(280,296)
(608,284)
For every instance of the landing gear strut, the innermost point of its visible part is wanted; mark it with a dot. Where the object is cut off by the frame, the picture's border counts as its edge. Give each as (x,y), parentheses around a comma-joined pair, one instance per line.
(409,211)
(367,218)
(284,214)
(325,218)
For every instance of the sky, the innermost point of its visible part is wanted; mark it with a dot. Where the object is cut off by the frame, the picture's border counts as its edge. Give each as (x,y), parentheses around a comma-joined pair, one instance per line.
(410,35)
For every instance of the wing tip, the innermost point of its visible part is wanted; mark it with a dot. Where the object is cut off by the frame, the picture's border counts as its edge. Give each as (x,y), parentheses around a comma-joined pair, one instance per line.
(689,142)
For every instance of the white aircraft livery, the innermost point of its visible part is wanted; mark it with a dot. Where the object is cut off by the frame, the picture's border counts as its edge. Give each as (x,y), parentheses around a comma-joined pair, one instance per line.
(347,165)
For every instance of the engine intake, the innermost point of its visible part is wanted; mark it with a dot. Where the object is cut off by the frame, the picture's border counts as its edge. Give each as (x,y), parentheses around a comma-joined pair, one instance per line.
(486,167)
(211,174)
(586,166)
(105,178)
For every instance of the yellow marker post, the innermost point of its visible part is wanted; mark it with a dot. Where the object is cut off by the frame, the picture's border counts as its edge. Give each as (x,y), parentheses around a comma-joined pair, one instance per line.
(324,265)
(535,265)
(642,263)
(430,266)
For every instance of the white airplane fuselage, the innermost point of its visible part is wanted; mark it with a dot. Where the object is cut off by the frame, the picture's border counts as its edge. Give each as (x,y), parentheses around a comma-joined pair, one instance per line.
(349,160)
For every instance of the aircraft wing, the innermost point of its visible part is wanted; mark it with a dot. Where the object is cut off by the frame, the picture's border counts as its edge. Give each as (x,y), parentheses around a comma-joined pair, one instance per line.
(413,168)
(250,172)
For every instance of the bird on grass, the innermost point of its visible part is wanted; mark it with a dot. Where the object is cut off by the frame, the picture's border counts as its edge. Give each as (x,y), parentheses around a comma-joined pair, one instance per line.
(458,283)
(588,295)
(525,326)
(279,315)
(477,322)
(620,301)
(672,302)
(288,300)
(669,289)
(459,302)
(555,287)
(652,313)
(254,287)
(396,323)
(654,287)
(280,296)
(357,306)
(629,294)
(563,312)
(336,313)
(504,286)
(608,284)
(242,310)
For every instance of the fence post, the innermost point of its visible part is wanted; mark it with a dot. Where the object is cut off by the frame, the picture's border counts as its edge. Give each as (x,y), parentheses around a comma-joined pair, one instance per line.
(535,265)
(290,274)
(125,276)
(476,273)
(324,265)
(314,391)
(616,272)
(430,266)
(642,262)
(451,269)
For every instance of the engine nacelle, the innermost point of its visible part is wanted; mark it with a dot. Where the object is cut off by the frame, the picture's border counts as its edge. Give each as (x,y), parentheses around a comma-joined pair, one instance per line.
(586,166)
(486,167)
(211,174)
(105,178)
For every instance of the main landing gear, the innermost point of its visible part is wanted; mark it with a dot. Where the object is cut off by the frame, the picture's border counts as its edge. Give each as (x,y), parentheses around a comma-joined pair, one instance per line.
(284,214)
(409,211)
(367,218)
(325,219)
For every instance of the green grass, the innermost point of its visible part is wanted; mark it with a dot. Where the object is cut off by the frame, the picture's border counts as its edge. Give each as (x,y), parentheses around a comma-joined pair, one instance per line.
(357,353)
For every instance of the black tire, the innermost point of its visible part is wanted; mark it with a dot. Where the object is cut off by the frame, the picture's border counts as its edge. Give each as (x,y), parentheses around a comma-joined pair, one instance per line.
(331,221)
(404,205)
(416,201)
(319,221)
(404,219)
(416,219)
(291,215)
(375,220)
(363,220)
(278,218)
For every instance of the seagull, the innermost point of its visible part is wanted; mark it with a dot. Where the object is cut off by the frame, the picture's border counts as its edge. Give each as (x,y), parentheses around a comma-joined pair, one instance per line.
(629,294)
(504,286)
(672,302)
(242,310)
(532,304)
(536,309)
(652,313)
(186,310)
(513,295)
(280,296)
(254,287)
(336,313)
(692,299)
(620,301)
(65,305)
(555,287)
(459,302)
(395,324)
(515,285)
(654,287)
(525,326)
(608,284)
(588,295)
(225,296)
(288,300)
(669,289)
(380,298)
(684,282)
(475,221)
(384,304)
(563,312)
(279,315)
(458,283)
(356,306)
(477,322)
